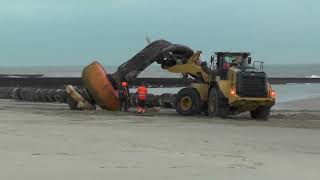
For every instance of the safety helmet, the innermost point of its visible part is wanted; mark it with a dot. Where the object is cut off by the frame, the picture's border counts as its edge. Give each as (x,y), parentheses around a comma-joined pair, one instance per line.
(124,84)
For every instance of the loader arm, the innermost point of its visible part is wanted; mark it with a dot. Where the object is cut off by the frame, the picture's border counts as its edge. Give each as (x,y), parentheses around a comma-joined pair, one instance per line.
(193,70)
(191,67)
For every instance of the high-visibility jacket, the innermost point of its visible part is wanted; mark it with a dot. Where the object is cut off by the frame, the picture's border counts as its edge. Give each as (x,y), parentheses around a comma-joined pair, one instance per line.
(142,93)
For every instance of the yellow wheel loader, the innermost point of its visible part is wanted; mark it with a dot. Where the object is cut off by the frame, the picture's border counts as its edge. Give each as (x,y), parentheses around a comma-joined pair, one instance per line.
(230,85)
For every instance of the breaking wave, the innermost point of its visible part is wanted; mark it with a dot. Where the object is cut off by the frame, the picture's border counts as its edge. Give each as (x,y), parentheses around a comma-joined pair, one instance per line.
(314,76)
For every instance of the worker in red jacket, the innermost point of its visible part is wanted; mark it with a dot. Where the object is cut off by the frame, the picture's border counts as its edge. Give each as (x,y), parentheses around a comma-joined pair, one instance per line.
(142,92)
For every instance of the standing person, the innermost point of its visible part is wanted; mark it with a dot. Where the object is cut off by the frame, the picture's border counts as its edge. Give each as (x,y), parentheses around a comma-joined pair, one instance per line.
(142,92)
(124,96)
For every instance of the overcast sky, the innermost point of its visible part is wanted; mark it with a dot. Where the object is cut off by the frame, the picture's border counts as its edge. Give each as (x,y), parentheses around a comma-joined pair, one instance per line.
(73,32)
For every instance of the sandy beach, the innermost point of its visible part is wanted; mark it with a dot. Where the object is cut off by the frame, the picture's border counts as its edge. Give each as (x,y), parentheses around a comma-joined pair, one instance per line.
(48,141)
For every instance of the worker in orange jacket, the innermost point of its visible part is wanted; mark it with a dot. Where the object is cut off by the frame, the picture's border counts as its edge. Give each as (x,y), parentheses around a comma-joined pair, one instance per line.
(142,92)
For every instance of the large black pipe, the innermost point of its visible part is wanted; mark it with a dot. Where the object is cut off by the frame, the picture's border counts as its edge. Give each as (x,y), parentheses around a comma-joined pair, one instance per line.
(156,51)
(33,94)
(60,95)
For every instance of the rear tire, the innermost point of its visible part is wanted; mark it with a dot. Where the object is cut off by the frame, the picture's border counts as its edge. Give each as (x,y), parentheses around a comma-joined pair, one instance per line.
(262,113)
(216,105)
(188,102)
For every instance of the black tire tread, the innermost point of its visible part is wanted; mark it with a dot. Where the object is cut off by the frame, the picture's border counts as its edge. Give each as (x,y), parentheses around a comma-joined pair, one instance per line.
(222,108)
(262,113)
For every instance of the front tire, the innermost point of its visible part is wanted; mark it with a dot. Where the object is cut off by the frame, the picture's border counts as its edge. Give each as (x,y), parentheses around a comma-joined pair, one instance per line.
(188,102)
(216,105)
(262,113)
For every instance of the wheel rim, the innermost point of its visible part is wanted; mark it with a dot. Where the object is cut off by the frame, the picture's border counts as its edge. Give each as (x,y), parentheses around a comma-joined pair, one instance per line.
(212,105)
(185,103)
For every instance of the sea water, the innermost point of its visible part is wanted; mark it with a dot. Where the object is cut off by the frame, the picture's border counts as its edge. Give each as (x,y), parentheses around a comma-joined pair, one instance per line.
(273,70)
(291,92)
(285,93)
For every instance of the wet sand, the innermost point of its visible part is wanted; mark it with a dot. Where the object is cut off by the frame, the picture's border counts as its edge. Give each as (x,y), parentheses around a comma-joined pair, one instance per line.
(48,141)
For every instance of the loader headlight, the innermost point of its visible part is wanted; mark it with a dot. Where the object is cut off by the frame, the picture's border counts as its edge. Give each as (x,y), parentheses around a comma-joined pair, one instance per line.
(273,93)
(233,92)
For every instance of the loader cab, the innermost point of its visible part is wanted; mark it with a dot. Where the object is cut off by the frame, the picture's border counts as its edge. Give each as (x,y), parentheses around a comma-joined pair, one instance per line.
(225,60)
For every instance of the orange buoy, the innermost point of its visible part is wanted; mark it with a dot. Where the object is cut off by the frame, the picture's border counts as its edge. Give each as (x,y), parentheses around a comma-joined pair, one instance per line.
(95,80)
